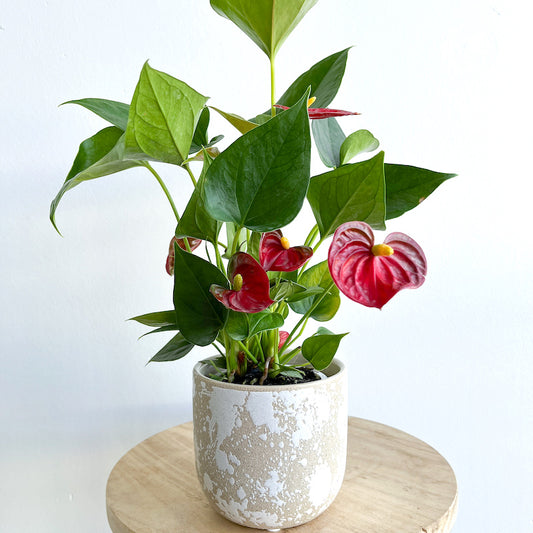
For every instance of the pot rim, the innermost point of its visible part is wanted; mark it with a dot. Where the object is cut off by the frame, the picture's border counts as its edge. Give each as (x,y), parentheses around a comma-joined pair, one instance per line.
(334,371)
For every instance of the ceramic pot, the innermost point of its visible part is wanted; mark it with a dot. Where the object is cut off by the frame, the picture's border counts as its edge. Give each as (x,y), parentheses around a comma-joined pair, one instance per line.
(270,457)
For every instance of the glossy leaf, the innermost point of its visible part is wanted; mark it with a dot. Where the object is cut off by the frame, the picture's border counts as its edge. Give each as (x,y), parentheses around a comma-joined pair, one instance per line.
(328,137)
(196,221)
(324,78)
(317,279)
(200,139)
(176,348)
(260,180)
(320,349)
(243,125)
(162,329)
(358,142)
(351,192)
(237,325)
(114,112)
(163,117)
(264,321)
(285,289)
(100,155)
(267,22)
(372,274)
(306,293)
(408,186)
(198,315)
(158,319)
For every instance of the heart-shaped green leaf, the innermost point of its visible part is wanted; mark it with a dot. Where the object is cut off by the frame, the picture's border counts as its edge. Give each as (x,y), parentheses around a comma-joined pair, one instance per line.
(158,319)
(357,143)
(351,192)
(328,137)
(196,221)
(408,186)
(100,155)
(176,348)
(323,77)
(163,117)
(198,314)
(237,326)
(264,321)
(317,279)
(267,22)
(114,112)
(260,180)
(320,349)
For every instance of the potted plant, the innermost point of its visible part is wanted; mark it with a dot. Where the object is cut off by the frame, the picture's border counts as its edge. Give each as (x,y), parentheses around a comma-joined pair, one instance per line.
(270,407)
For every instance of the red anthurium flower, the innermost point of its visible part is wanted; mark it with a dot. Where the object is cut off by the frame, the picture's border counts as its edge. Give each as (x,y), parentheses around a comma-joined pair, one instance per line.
(250,292)
(283,336)
(275,253)
(371,274)
(323,112)
(193,244)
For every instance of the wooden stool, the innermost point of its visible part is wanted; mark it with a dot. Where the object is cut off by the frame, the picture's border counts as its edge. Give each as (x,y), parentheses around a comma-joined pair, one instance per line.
(394,483)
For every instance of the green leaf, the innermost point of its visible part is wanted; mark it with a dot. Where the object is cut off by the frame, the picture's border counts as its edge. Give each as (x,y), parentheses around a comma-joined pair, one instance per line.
(318,277)
(324,78)
(328,137)
(306,293)
(196,221)
(285,289)
(320,349)
(243,125)
(237,326)
(162,329)
(408,186)
(114,112)
(351,192)
(163,117)
(357,143)
(198,314)
(158,319)
(260,180)
(267,22)
(176,348)
(264,321)
(99,155)
(200,138)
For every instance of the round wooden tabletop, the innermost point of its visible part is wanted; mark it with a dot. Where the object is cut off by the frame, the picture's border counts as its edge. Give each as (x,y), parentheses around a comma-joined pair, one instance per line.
(394,483)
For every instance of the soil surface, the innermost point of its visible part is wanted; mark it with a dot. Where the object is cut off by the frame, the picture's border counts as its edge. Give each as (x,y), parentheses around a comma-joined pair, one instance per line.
(253,376)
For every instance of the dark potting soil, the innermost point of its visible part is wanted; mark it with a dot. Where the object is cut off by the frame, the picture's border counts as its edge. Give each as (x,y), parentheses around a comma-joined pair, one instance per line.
(253,376)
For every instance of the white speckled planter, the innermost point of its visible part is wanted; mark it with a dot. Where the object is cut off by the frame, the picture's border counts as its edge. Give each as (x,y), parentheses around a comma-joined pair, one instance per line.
(270,457)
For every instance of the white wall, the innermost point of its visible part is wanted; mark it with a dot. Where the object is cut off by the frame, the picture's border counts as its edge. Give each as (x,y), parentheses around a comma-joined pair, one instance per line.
(443,85)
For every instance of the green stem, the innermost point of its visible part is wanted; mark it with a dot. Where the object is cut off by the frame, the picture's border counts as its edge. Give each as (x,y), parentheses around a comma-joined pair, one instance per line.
(247,352)
(164,187)
(189,171)
(236,240)
(272,86)
(312,235)
(315,247)
(305,317)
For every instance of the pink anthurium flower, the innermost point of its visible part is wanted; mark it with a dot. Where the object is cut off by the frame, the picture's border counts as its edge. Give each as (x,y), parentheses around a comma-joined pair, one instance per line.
(371,274)
(316,113)
(250,292)
(193,244)
(275,253)
(283,336)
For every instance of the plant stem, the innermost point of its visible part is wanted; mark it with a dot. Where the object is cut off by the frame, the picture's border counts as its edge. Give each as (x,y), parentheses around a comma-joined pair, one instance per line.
(312,235)
(305,317)
(164,187)
(272,86)
(235,243)
(189,171)
(247,352)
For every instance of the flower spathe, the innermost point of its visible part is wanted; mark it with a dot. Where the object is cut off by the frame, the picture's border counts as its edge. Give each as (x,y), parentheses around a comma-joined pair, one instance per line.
(193,244)
(317,113)
(372,274)
(275,253)
(251,286)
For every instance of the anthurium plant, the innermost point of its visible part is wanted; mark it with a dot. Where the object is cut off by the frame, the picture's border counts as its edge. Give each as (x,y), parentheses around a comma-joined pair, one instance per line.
(237,278)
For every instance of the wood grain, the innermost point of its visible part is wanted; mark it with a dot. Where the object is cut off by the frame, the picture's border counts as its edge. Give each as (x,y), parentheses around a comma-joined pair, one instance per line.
(394,483)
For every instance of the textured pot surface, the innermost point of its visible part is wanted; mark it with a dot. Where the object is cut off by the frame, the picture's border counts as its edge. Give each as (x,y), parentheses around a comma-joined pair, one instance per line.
(272,456)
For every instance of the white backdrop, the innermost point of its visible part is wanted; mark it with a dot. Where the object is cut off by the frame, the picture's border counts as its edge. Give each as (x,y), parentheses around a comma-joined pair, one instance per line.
(443,85)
